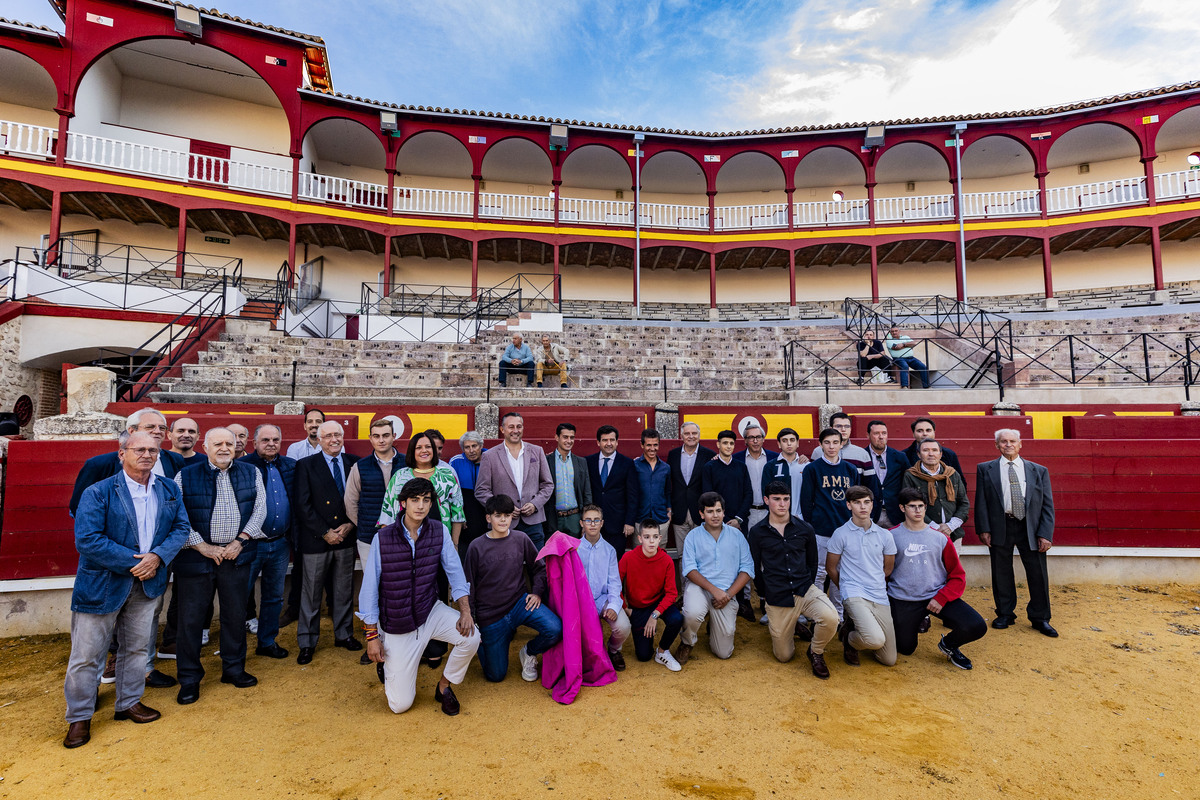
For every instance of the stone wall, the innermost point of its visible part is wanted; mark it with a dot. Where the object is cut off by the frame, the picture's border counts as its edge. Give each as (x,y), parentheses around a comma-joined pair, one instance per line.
(16,380)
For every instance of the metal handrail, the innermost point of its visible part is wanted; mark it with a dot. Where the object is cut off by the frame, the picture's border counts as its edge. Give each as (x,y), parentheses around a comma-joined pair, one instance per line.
(132,264)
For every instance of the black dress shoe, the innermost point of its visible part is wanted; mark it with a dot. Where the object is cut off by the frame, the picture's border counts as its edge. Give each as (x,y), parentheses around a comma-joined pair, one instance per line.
(188,694)
(1044,628)
(1000,623)
(364,659)
(379,672)
(305,656)
(272,650)
(350,644)
(159,680)
(449,702)
(618,660)
(925,625)
(78,734)
(138,713)
(243,680)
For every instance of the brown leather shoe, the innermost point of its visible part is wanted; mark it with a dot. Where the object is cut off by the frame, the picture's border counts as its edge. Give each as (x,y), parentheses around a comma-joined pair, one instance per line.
(110,669)
(141,714)
(849,654)
(804,631)
(78,734)
(683,653)
(618,660)
(449,702)
(818,664)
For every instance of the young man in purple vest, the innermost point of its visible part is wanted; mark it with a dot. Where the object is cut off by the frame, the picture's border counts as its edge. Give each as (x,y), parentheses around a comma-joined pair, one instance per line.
(399,607)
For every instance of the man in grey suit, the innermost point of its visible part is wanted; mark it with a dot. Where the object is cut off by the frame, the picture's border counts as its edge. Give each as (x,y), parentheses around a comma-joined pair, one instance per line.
(517,464)
(572,487)
(1014,505)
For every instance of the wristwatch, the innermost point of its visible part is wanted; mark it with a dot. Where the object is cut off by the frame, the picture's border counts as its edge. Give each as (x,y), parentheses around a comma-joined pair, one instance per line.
(654,614)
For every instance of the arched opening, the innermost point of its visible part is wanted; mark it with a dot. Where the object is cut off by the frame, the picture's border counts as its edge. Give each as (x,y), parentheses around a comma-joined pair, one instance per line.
(831,272)
(916,268)
(750,193)
(998,179)
(28,122)
(596,183)
(1092,166)
(674,192)
(433,176)
(343,162)
(830,189)
(181,111)
(517,181)
(913,183)
(1177,140)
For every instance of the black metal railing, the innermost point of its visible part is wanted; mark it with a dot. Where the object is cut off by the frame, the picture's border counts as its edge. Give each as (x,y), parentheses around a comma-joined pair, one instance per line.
(942,313)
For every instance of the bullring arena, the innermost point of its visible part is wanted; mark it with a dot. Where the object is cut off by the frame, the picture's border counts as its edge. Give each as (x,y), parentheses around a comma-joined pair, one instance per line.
(193,219)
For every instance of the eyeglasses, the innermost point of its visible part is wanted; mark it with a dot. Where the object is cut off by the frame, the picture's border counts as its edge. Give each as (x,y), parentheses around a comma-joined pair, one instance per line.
(754,438)
(915,506)
(592,521)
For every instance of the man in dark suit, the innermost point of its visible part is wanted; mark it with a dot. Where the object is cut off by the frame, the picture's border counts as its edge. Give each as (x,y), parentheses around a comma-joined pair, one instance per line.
(272,551)
(325,538)
(687,463)
(572,486)
(614,488)
(884,474)
(922,429)
(1014,506)
(105,465)
(129,527)
(757,460)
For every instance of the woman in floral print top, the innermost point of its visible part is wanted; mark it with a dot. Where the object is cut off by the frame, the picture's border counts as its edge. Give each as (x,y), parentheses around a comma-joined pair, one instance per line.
(422,462)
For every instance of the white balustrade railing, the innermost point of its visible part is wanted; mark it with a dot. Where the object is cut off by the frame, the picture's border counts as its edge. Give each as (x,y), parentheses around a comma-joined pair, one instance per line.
(30,140)
(831,212)
(445,202)
(670,215)
(121,156)
(604,212)
(331,189)
(1170,185)
(239,174)
(929,206)
(1015,203)
(1124,191)
(761,215)
(516,206)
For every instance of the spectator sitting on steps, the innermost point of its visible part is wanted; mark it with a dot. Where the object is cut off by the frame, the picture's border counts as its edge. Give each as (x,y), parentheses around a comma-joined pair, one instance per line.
(552,360)
(517,356)
(871,356)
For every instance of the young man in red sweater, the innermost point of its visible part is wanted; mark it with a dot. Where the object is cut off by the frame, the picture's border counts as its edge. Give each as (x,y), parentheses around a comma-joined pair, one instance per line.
(648,578)
(929,579)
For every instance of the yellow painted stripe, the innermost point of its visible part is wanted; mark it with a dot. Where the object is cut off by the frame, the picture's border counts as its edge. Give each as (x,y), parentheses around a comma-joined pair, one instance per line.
(958,413)
(190,190)
(452,426)
(801,423)
(1049,424)
(710,424)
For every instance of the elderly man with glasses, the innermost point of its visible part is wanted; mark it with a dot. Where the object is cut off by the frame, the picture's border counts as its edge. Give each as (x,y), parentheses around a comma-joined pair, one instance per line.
(600,563)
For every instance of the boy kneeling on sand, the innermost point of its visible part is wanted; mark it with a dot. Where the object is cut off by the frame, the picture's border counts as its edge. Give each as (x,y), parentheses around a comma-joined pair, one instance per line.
(648,575)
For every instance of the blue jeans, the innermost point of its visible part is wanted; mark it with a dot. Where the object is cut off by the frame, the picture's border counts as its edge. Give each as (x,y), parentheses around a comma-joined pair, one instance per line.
(271,561)
(643,646)
(496,637)
(536,531)
(908,362)
(525,366)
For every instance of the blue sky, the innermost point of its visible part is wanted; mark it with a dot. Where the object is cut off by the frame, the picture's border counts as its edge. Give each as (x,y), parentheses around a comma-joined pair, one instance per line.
(735,65)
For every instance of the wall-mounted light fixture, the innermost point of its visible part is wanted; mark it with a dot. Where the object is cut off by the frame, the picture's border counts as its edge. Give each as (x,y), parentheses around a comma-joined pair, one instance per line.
(187,20)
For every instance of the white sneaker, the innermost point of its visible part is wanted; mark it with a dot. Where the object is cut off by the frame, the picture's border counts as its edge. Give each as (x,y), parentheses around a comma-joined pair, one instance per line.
(529,666)
(252,626)
(765,619)
(204,637)
(665,658)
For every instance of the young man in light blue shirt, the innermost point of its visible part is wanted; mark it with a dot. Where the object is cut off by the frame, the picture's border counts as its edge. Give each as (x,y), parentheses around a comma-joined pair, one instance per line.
(716,566)
(899,348)
(860,558)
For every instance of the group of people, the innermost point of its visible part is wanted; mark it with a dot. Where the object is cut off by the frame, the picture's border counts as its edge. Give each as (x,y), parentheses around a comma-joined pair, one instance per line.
(450,551)
(889,361)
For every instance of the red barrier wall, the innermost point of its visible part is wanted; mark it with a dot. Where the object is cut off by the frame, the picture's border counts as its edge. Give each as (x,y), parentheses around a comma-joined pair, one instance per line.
(1132,427)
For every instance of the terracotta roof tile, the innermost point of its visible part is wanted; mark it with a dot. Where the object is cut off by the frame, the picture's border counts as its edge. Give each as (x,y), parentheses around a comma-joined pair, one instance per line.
(212,12)
(29,25)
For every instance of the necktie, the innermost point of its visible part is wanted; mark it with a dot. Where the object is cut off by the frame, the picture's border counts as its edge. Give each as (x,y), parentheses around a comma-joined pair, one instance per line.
(604,472)
(881,469)
(338,478)
(1014,489)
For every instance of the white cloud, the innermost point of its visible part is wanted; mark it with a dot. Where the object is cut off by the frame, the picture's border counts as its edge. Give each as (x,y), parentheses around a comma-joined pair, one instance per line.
(913,58)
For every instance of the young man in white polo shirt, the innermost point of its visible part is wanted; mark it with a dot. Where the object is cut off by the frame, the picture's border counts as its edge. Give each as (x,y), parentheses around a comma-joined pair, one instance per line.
(861,557)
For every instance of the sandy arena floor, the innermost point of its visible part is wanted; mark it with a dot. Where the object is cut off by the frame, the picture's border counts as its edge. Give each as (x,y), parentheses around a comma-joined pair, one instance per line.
(1109,710)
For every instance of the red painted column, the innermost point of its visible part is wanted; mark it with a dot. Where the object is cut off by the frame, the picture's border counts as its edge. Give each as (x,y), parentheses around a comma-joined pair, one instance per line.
(791,210)
(295,177)
(475,205)
(475,253)
(557,298)
(387,264)
(391,192)
(874,274)
(1043,200)
(291,254)
(712,211)
(791,277)
(557,193)
(181,243)
(871,203)
(55,227)
(1151,189)
(1047,278)
(60,149)
(1156,256)
(712,280)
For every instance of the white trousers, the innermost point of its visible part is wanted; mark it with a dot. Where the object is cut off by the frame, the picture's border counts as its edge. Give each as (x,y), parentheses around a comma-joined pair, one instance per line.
(402,655)
(698,604)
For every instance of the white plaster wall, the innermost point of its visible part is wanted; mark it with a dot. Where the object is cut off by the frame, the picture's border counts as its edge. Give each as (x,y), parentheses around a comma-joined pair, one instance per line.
(833,283)
(260,259)
(752,285)
(49,341)
(353,172)
(99,98)
(12,112)
(21,229)
(597,283)
(1116,169)
(1181,261)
